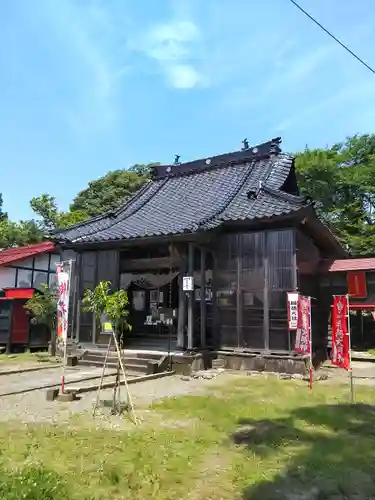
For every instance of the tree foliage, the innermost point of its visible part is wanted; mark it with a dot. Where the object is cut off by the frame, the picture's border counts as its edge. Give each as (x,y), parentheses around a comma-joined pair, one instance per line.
(15,234)
(43,309)
(111,190)
(341,181)
(43,306)
(3,215)
(102,301)
(45,207)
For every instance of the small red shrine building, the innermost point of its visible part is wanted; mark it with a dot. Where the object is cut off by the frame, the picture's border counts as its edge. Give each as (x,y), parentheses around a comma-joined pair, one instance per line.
(22,270)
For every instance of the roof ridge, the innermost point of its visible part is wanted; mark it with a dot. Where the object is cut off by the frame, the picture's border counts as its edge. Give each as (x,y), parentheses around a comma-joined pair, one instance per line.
(223,164)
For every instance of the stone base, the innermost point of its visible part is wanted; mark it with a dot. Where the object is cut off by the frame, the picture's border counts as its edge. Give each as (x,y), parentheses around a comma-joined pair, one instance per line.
(67,397)
(51,394)
(72,361)
(189,363)
(263,362)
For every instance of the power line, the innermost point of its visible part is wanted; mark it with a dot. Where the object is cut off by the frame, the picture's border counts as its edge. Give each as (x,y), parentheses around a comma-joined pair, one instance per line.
(332,36)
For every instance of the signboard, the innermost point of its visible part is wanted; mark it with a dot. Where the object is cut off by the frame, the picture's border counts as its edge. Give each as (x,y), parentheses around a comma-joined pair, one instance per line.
(356,282)
(62,304)
(188,284)
(303,336)
(340,332)
(292,302)
(107,327)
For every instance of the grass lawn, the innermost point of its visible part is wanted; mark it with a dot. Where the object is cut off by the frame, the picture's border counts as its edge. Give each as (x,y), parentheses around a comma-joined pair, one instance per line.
(253,438)
(27,357)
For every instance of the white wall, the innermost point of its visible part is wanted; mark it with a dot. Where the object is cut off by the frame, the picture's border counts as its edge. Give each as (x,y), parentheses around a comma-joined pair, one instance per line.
(7,277)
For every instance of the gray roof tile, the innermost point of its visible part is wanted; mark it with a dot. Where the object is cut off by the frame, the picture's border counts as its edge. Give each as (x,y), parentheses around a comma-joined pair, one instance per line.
(196,200)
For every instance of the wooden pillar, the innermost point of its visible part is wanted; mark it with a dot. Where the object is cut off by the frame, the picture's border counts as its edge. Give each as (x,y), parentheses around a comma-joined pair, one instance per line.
(238,292)
(295,279)
(190,298)
(266,306)
(215,319)
(94,339)
(203,298)
(78,319)
(181,307)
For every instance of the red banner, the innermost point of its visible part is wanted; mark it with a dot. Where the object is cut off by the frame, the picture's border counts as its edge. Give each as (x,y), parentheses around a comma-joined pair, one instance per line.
(340,333)
(356,281)
(303,336)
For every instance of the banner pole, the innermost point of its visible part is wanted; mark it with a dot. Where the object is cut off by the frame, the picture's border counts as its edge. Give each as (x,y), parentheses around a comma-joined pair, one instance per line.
(311,363)
(350,354)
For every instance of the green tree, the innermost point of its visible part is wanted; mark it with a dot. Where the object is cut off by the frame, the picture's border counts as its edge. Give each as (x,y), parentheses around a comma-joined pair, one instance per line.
(43,309)
(113,304)
(341,181)
(111,190)
(14,234)
(3,215)
(45,207)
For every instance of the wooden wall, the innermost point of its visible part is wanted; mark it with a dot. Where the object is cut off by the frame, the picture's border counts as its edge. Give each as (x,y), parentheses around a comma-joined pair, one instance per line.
(92,267)
(254,272)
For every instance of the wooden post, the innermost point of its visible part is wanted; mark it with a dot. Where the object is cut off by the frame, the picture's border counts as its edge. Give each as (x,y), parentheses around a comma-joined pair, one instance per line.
(238,292)
(215,320)
(203,298)
(266,305)
(10,335)
(181,308)
(294,284)
(190,297)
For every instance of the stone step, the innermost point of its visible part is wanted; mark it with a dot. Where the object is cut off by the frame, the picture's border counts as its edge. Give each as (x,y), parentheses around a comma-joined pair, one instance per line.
(112,358)
(134,368)
(127,354)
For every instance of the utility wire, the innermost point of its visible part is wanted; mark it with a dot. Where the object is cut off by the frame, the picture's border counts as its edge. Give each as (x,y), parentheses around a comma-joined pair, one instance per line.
(333,36)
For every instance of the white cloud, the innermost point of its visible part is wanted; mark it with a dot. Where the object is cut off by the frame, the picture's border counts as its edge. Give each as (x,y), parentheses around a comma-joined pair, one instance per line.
(175,46)
(183,76)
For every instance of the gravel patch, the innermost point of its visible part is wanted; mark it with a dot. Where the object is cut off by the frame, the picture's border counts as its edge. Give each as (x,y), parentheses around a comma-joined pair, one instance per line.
(34,408)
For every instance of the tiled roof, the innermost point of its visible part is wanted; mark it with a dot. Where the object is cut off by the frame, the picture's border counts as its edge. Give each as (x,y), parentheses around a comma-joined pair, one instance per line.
(20,253)
(365,264)
(185,199)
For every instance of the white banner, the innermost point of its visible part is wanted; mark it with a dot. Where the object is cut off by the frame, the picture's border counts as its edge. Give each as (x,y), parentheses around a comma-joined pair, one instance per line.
(292,310)
(62,305)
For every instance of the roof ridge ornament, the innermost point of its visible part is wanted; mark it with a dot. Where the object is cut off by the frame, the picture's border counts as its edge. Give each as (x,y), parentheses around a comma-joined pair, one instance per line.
(275,148)
(245,143)
(177,159)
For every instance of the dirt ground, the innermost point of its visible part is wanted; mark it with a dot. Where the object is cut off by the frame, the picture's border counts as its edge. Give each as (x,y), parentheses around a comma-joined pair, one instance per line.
(363,373)
(33,407)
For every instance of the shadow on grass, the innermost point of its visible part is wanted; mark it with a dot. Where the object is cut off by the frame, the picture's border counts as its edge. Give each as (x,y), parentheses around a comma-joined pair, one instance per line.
(329,450)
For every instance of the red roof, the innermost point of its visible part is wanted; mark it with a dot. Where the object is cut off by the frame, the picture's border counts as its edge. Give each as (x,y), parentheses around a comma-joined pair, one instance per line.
(365,264)
(20,253)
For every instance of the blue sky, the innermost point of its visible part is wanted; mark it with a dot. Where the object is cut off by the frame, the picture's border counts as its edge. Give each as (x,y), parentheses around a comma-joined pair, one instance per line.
(89,86)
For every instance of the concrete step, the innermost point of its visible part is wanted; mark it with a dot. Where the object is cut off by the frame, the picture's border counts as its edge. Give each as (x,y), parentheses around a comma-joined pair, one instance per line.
(112,358)
(129,367)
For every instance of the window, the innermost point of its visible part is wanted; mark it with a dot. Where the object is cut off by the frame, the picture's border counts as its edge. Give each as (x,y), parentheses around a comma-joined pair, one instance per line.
(42,261)
(24,278)
(39,278)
